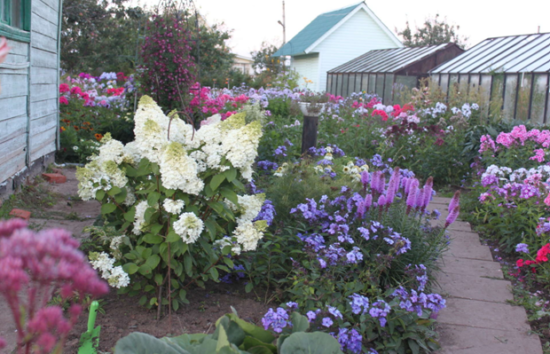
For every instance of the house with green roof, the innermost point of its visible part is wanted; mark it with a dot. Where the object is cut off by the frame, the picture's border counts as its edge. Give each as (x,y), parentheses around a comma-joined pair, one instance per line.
(334,38)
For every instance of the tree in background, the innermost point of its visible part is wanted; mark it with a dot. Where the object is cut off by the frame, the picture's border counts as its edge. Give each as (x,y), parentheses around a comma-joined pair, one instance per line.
(267,66)
(433,32)
(100,36)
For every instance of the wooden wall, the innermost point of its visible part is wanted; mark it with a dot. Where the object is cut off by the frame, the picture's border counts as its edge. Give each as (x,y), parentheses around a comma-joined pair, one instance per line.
(29,100)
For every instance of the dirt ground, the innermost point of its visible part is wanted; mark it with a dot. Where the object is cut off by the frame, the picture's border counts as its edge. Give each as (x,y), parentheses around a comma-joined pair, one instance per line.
(58,205)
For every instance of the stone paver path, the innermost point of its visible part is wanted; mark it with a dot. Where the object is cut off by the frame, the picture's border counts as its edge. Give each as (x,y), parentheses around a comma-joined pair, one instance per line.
(477,320)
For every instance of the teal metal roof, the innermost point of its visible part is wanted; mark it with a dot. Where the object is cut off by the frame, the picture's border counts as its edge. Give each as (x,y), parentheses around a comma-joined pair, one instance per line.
(312,32)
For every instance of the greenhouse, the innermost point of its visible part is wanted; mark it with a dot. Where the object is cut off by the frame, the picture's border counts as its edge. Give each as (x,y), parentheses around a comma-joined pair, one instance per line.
(510,73)
(386,71)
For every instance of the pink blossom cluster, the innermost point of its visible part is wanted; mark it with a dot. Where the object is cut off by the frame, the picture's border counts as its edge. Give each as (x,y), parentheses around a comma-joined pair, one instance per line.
(34,266)
(209,102)
(105,90)
(519,135)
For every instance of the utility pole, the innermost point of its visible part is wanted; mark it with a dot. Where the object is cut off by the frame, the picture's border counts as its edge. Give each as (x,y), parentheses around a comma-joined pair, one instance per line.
(284,32)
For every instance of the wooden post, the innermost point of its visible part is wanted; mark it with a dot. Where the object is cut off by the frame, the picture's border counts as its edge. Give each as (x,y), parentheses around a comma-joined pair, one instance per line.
(309,133)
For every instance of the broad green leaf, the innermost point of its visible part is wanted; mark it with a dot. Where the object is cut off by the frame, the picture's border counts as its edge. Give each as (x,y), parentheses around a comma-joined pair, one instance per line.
(188,263)
(108,208)
(172,236)
(143,300)
(253,330)
(222,339)
(155,229)
(121,197)
(153,199)
(153,261)
(230,194)
(216,181)
(114,191)
(231,174)
(144,269)
(130,214)
(100,194)
(238,184)
(211,226)
(300,322)
(414,346)
(251,342)
(130,268)
(153,239)
(214,273)
(309,343)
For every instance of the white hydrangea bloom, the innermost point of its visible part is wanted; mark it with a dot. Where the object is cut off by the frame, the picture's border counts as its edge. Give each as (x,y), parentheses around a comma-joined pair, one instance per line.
(101,261)
(111,150)
(249,206)
(173,206)
(189,227)
(248,234)
(179,171)
(118,278)
(139,218)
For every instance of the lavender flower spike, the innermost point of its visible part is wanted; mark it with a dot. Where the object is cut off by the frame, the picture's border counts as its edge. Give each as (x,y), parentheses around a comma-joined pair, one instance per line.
(452,216)
(428,192)
(365,179)
(419,198)
(381,201)
(368,202)
(393,186)
(455,201)
(411,199)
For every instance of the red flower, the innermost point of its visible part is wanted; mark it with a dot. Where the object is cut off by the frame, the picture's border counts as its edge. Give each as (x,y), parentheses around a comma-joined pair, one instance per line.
(76,90)
(542,254)
(64,88)
(63,100)
(381,113)
(520,263)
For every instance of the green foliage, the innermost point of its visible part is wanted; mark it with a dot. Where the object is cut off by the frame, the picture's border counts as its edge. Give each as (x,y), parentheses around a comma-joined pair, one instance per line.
(100,36)
(233,335)
(433,32)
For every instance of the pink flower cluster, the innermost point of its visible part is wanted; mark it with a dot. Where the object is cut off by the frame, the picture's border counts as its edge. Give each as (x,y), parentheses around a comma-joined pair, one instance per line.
(42,265)
(210,103)
(519,135)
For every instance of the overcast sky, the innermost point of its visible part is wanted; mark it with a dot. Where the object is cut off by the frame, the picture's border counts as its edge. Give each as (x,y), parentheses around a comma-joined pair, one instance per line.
(254,21)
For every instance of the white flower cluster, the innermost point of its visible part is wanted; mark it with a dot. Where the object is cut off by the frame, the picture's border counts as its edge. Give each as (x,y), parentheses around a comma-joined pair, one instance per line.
(355,171)
(189,227)
(282,170)
(506,174)
(115,246)
(173,206)
(440,108)
(116,276)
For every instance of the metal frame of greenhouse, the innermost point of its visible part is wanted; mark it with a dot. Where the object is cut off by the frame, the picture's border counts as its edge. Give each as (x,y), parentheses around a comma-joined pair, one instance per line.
(377,71)
(513,73)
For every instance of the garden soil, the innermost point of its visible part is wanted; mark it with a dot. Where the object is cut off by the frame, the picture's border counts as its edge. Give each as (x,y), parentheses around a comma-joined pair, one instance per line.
(58,206)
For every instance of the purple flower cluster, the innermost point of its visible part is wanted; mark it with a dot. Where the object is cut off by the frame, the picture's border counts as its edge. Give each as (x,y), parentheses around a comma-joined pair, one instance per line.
(522,248)
(419,272)
(267,212)
(237,274)
(267,165)
(280,151)
(277,320)
(322,151)
(380,310)
(350,340)
(417,302)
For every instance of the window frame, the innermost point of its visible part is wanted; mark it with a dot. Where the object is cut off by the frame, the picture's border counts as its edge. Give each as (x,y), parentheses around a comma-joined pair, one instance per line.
(15,33)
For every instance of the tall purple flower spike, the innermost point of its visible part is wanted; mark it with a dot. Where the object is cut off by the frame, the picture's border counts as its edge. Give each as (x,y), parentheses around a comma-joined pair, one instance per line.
(452,216)
(428,192)
(368,202)
(454,201)
(411,198)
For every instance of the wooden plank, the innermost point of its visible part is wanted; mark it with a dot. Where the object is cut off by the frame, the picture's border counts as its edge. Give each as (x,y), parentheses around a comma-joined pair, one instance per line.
(12,127)
(44,59)
(38,40)
(43,75)
(43,92)
(13,107)
(54,4)
(43,143)
(45,11)
(11,167)
(13,86)
(40,125)
(16,58)
(19,48)
(43,26)
(13,153)
(43,108)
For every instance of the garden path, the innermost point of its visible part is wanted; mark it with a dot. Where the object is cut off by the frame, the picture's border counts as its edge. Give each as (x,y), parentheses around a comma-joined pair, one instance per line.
(478,318)
(65,211)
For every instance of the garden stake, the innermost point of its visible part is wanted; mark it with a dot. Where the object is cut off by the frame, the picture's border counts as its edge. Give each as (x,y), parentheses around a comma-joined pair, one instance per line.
(89,341)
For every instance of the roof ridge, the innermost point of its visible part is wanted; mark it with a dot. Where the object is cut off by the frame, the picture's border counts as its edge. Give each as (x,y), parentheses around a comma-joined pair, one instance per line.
(342,8)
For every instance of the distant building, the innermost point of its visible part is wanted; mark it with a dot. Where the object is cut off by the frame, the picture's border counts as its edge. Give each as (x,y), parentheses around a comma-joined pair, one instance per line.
(243,64)
(380,71)
(29,101)
(334,38)
(512,73)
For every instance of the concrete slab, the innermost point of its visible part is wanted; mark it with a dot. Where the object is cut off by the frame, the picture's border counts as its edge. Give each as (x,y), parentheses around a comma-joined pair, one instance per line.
(7,327)
(440,200)
(469,248)
(460,226)
(483,314)
(468,340)
(75,227)
(474,287)
(453,265)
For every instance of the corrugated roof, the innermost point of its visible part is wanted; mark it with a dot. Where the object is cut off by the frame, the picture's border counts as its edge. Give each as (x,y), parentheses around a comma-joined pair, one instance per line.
(312,32)
(511,54)
(387,60)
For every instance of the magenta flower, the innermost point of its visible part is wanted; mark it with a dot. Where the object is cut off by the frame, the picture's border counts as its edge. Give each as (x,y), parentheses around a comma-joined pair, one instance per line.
(452,216)
(454,201)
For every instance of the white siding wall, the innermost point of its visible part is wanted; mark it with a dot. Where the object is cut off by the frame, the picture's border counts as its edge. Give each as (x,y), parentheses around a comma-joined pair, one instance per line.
(13,109)
(355,37)
(44,108)
(30,110)
(307,66)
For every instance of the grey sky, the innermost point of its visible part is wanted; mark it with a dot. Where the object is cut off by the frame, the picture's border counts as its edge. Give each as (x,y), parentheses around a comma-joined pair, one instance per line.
(254,21)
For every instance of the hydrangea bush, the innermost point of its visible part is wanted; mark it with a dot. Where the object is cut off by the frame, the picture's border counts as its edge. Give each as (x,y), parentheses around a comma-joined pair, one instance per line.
(177,198)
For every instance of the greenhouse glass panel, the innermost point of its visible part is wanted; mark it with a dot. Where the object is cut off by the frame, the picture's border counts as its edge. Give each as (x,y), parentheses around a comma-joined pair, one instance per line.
(402,88)
(364,86)
(497,91)
(338,88)
(345,84)
(388,89)
(358,87)
(511,83)
(372,83)
(539,98)
(329,83)
(485,92)
(351,86)
(524,97)
(379,85)
(444,82)
(474,83)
